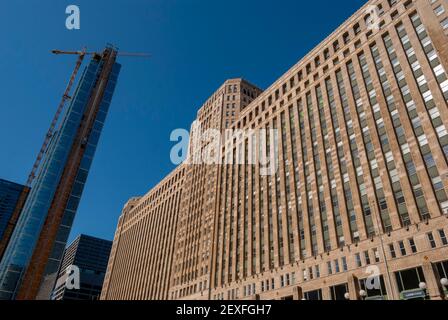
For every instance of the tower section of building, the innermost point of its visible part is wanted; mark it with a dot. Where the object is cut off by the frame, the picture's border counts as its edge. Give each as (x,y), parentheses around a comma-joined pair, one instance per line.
(192,270)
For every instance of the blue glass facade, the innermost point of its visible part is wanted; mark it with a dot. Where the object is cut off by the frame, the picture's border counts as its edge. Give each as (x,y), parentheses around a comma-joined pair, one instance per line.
(9,195)
(29,227)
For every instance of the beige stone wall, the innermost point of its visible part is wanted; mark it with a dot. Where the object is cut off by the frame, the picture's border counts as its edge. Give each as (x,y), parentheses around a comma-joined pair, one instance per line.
(141,258)
(363,154)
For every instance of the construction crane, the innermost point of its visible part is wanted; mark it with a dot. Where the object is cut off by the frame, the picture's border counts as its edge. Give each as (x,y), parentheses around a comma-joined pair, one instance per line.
(120,54)
(66,97)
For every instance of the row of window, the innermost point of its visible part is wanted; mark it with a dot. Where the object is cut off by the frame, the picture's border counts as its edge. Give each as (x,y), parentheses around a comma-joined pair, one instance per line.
(408,279)
(411,244)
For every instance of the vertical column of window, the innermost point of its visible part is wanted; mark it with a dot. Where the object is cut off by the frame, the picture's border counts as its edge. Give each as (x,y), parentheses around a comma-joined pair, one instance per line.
(431,54)
(289,230)
(295,159)
(278,208)
(384,144)
(262,190)
(262,221)
(341,156)
(253,206)
(270,191)
(238,218)
(416,125)
(309,178)
(331,171)
(186,233)
(305,186)
(432,109)
(366,138)
(246,211)
(228,255)
(413,117)
(318,180)
(322,205)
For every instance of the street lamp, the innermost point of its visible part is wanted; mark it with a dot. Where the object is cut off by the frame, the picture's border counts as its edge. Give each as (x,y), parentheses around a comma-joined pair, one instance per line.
(363,294)
(347,296)
(422,285)
(444,283)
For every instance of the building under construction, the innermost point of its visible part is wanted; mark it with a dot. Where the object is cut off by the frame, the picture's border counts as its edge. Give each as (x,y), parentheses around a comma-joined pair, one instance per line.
(31,252)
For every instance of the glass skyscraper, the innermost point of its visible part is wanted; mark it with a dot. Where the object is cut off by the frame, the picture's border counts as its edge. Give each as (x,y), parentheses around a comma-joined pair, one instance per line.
(9,196)
(29,267)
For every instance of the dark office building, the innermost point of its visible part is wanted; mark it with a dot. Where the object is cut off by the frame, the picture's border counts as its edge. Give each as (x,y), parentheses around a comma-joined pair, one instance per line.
(9,196)
(30,264)
(90,255)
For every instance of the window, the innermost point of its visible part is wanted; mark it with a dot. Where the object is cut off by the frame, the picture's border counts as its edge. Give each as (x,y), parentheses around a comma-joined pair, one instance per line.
(439,10)
(336,266)
(367,257)
(409,279)
(344,264)
(402,248)
(412,245)
(358,260)
(336,46)
(330,270)
(392,251)
(431,239)
(338,292)
(376,254)
(308,68)
(445,24)
(392,2)
(443,237)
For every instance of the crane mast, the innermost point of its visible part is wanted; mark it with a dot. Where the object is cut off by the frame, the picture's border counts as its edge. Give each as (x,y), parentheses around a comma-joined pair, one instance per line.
(49,135)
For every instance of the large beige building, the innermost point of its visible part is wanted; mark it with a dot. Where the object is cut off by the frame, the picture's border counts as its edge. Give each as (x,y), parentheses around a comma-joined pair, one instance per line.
(358,206)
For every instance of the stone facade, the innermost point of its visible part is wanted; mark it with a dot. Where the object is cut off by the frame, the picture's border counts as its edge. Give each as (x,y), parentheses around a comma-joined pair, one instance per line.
(358,206)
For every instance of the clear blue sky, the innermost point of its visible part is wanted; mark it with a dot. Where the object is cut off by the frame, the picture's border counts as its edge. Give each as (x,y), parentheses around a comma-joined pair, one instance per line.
(195,46)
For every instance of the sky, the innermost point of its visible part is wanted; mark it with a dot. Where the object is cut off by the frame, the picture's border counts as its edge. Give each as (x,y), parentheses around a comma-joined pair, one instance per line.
(195,45)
